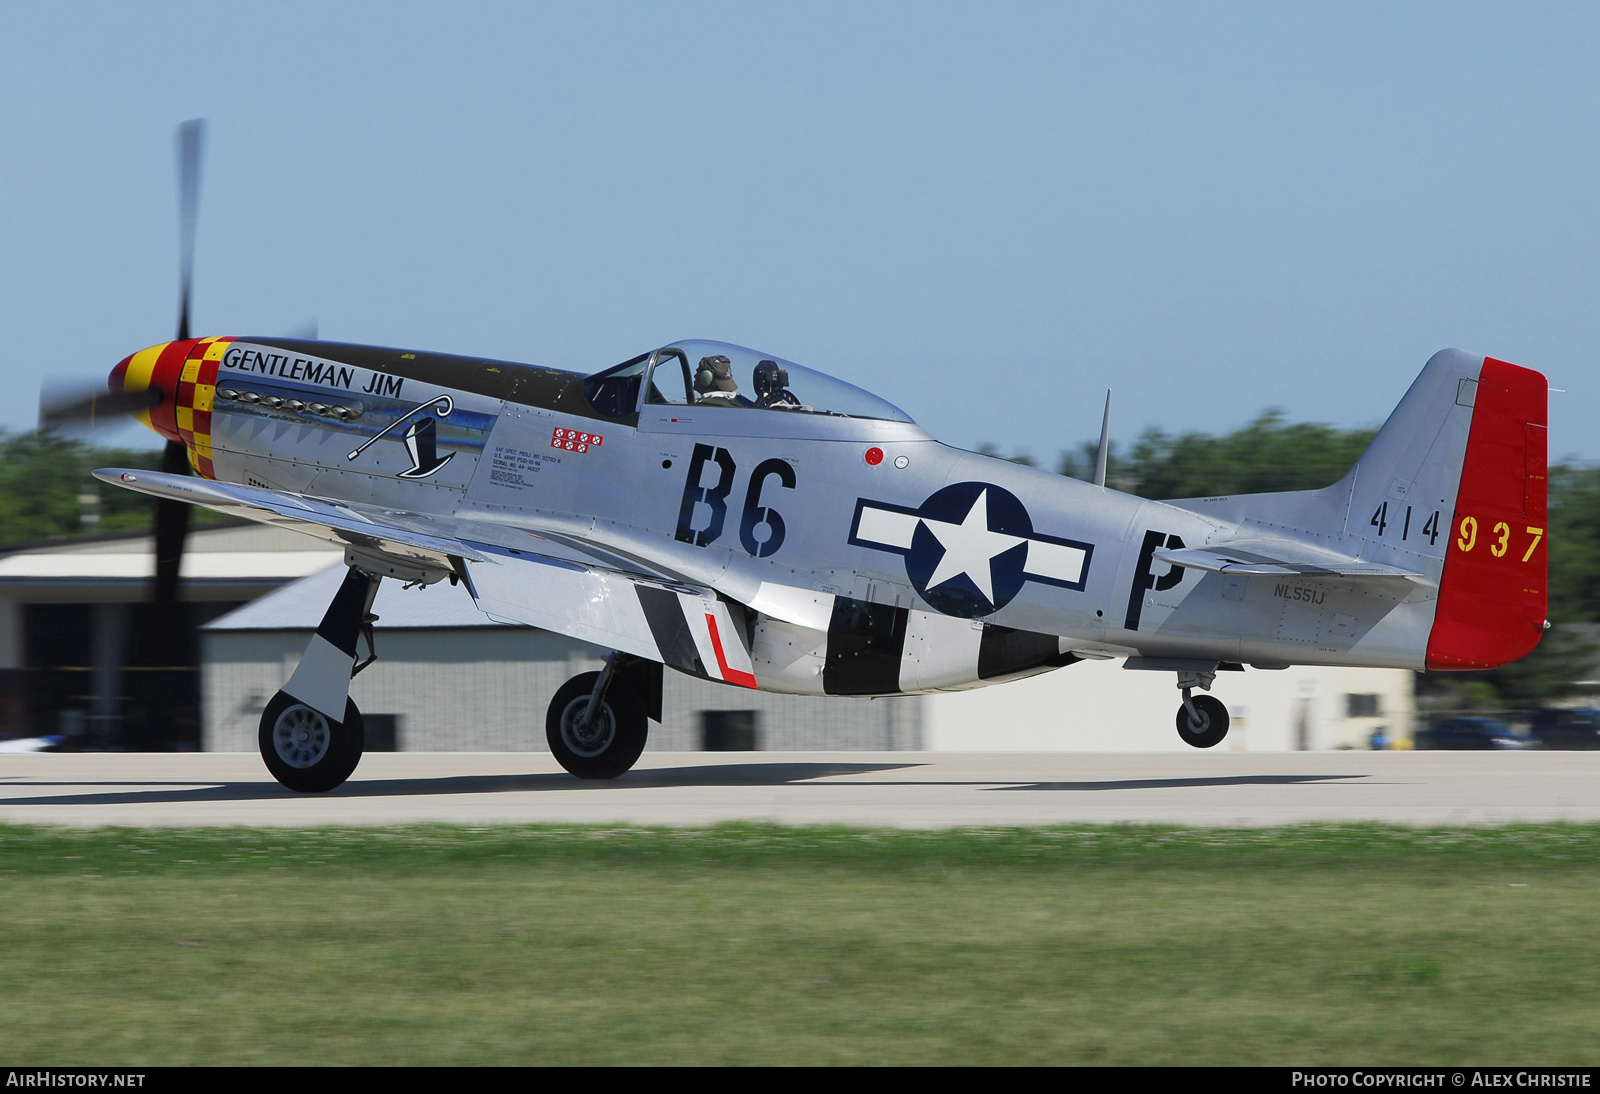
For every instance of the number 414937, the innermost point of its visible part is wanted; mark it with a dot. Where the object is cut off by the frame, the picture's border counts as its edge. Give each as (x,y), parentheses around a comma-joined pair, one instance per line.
(1499,539)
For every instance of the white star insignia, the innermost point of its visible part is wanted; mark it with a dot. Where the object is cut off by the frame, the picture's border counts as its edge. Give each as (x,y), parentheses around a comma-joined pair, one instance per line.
(969,547)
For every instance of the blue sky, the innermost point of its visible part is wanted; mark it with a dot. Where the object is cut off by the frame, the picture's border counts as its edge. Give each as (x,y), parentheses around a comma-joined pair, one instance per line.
(985,213)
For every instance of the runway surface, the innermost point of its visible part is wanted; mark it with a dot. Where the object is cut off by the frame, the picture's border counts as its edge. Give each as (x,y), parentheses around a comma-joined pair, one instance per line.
(896,789)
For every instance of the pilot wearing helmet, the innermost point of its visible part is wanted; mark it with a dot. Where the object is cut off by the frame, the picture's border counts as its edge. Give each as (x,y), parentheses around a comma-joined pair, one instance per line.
(771,385)
(714,383)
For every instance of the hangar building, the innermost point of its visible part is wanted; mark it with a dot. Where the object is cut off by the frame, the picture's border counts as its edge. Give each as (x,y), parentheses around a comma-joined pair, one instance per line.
(448,678)
(71,660)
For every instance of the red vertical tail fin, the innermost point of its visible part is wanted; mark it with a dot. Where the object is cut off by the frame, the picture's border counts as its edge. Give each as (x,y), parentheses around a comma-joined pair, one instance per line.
(1492,595)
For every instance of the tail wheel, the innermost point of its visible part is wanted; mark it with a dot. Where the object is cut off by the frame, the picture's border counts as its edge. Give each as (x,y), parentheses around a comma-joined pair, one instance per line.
(1211,727)
(306,750)
(602,747)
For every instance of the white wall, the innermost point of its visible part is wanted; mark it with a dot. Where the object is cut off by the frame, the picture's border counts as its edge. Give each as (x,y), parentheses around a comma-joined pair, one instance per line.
(1097,706)
(479,689)
(486,689)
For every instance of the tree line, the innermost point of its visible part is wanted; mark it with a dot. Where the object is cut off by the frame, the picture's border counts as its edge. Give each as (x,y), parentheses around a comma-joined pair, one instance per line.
(47,491)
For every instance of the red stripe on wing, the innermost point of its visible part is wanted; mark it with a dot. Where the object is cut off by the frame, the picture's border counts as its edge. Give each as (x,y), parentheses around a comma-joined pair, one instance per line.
(730,675)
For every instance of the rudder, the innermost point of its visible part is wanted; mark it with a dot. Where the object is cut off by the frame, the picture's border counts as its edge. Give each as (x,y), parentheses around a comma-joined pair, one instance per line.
(1492,594)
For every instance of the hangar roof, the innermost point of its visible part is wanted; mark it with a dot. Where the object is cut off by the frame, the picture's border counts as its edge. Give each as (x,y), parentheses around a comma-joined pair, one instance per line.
(219,562)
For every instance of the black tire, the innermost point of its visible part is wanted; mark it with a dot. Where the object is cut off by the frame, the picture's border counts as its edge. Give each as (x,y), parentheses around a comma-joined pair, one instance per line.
(1213,722)
(313,754)
(614,744)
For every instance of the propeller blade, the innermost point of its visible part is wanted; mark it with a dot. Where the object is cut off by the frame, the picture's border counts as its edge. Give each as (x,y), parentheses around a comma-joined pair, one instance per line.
(190,136)
(172,527)
(160,711)
(172,517)
(68,405)
(167,623)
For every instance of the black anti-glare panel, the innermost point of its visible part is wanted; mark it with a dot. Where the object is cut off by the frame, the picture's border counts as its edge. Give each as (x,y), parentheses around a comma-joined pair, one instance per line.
(530,385)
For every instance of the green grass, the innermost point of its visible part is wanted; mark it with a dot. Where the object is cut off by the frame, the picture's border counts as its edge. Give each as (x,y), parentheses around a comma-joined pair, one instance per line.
(747,944)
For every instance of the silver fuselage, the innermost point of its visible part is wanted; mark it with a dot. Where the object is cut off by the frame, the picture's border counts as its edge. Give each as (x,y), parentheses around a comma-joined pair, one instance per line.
(793,514)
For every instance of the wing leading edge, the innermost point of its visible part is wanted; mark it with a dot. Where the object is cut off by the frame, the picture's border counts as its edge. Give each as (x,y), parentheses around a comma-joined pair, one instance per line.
(559,587)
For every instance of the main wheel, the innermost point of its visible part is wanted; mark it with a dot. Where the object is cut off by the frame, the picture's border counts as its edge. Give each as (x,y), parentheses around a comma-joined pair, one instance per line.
(608,746)
(1213,724)
(307,751)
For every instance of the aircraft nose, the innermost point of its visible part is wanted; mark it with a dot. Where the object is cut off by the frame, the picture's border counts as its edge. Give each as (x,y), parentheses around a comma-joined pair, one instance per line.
(158,368)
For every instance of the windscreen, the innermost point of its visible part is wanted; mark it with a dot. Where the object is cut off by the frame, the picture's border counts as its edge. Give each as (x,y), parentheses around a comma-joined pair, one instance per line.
(718,374)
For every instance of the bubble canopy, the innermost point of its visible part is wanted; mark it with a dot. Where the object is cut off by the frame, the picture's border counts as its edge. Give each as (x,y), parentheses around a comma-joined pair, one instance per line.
(703,373)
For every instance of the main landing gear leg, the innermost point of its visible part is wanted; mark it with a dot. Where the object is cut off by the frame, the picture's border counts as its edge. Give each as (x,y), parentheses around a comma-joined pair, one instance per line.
(311,733)
(1202,721)
(598,721)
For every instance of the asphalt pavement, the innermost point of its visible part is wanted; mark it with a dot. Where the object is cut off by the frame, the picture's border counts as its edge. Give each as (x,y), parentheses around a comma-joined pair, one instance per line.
(898,789)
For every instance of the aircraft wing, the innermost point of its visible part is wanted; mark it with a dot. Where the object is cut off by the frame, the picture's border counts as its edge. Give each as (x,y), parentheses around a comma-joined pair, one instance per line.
(685,626)
(1224,559)
(555,581)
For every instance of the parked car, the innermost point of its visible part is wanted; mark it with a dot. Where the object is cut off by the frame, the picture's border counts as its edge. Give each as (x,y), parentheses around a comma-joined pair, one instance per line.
(1568,729)
(1472,733)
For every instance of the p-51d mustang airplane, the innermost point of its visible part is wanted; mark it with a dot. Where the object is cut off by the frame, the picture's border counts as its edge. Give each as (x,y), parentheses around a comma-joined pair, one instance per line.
(743,519)
(809,538)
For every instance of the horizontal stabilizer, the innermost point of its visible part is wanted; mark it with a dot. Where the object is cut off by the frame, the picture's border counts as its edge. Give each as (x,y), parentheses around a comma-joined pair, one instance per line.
(1221,560)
